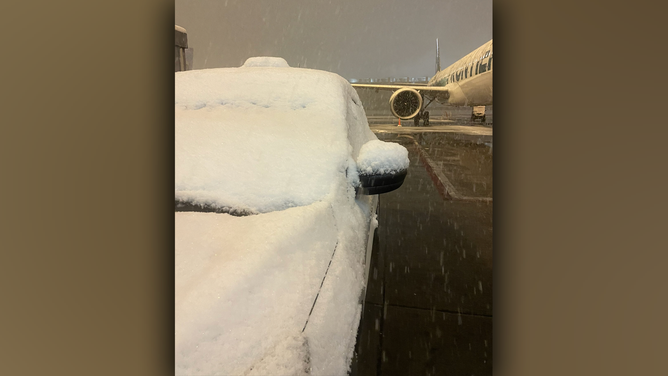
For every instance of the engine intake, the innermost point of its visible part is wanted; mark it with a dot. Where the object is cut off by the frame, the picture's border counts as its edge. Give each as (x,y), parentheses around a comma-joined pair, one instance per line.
(406,103)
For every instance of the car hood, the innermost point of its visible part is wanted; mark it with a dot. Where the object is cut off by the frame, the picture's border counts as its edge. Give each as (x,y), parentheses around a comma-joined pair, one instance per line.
(245,287)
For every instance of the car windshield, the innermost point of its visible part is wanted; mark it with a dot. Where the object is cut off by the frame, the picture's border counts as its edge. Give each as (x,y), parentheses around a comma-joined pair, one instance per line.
(256,140)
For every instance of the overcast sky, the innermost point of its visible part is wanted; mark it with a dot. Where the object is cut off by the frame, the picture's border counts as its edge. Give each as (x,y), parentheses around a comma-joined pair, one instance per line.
(356,39)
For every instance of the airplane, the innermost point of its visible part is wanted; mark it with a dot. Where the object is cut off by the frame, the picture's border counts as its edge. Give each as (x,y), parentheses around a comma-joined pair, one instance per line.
(467,82)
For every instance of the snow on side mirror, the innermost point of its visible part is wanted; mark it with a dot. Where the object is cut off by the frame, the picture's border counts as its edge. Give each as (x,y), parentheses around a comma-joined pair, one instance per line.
(382,167)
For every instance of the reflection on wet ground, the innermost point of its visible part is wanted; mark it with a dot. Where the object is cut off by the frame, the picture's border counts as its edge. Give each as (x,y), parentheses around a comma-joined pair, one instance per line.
(428,307)
(466,164)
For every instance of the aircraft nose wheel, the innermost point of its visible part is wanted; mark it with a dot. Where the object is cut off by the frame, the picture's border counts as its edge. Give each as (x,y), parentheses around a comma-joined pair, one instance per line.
(416,120)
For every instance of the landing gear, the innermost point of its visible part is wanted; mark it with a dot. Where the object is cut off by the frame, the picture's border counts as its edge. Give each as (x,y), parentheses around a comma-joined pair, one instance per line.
(424,115)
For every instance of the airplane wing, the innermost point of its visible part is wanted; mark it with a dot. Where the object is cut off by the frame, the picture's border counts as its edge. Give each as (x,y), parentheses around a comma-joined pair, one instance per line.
(388,86)
(428,90)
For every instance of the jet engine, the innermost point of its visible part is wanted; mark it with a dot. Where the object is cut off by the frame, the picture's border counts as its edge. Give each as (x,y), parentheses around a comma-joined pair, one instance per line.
(406,103)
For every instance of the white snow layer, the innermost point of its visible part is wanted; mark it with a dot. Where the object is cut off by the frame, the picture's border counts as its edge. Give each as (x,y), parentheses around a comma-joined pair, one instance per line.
(263,139)
(246,284)
(265,61)
(283,143)
(245,287)
(380,157)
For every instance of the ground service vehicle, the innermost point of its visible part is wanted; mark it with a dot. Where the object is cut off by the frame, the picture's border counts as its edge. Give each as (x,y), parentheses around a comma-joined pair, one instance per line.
(478,112)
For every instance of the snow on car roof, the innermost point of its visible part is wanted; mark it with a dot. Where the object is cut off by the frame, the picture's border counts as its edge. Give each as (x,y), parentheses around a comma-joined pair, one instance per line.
(261,138)
(266,61)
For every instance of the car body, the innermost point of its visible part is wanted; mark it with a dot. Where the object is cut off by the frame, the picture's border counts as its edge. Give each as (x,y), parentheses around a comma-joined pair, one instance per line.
(276,182)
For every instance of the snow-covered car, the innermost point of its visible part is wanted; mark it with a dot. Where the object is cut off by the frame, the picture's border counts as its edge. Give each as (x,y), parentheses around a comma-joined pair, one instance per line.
(276,182)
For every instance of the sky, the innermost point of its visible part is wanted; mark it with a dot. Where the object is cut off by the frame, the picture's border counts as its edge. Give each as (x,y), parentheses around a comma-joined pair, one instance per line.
(355,39)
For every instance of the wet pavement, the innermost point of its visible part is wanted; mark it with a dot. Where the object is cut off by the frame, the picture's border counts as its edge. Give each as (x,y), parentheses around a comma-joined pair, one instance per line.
(428,307)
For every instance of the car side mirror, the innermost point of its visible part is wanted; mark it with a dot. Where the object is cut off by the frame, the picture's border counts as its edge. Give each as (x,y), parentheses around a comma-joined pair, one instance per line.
(382,167)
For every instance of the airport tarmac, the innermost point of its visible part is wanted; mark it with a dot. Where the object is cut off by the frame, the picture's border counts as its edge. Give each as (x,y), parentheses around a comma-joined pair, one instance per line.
(428,307)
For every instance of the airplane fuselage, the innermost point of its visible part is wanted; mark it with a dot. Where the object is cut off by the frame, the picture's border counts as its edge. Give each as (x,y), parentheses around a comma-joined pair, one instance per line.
(468,81)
